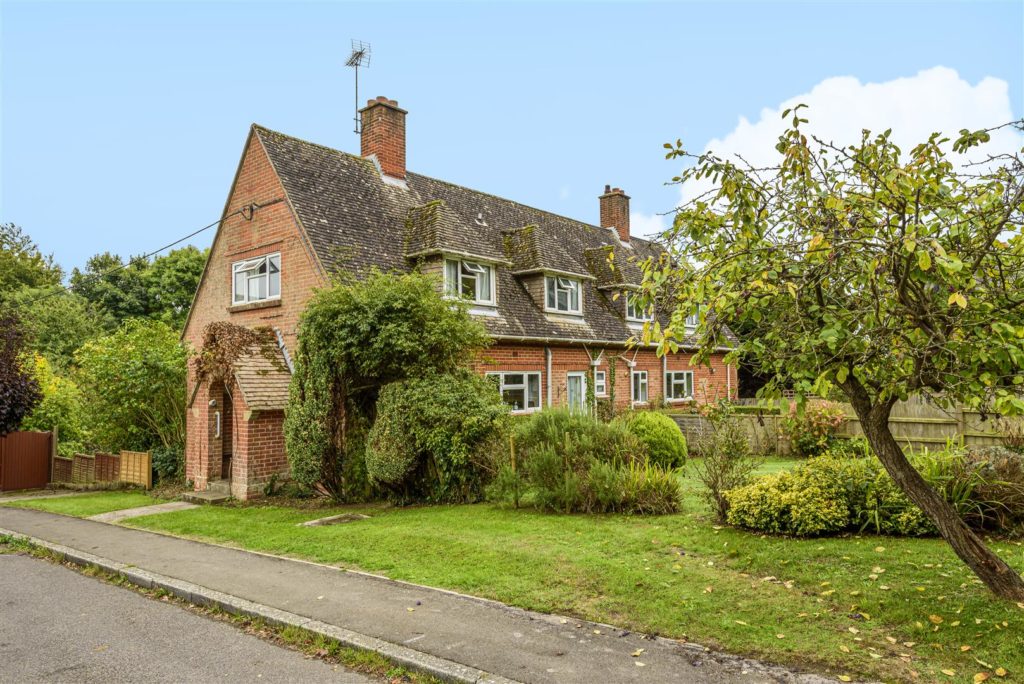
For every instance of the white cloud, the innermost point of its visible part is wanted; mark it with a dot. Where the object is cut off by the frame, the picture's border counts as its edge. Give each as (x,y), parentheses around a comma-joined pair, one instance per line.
(936,99)
(647,225)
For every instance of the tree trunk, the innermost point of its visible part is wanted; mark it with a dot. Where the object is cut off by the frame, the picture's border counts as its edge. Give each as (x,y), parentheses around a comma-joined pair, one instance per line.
(1003,580)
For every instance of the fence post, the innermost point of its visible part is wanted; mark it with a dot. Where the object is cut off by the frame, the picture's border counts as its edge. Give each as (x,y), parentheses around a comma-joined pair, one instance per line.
(53,451)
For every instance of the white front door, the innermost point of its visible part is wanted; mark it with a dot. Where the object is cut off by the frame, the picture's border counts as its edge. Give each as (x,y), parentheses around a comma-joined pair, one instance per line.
(576,391)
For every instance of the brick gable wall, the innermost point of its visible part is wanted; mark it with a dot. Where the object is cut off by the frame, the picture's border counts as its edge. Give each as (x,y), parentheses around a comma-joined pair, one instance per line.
(259,451)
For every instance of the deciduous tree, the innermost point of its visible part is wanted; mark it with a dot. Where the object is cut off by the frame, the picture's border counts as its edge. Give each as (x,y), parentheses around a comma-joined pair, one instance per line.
(883,272)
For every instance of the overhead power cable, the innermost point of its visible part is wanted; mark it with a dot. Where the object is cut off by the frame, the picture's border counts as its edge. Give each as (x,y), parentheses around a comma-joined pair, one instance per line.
(246,212)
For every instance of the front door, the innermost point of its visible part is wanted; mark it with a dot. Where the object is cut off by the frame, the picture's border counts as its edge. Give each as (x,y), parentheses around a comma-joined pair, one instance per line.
(576,391)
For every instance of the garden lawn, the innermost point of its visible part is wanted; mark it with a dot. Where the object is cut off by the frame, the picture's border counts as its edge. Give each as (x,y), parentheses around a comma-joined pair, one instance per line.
(85,505)
(895,609)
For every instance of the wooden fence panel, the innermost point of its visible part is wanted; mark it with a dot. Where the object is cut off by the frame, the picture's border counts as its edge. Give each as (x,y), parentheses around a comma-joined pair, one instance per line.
(108,467)
(137,467)
(83,469)
(24,460)
(61,469)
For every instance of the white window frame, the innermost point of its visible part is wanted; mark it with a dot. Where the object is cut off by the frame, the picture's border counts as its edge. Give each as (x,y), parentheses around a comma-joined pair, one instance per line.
(644,383)
(524,385)
(253,265)
(582,375)
(693,319)
(631,313)
(562,284)
(672,378)
(600,383)
(453,289)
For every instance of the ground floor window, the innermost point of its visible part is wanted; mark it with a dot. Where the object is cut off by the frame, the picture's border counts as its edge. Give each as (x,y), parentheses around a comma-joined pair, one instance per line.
(600,383)
(679,385)
(639,387)
(521,391)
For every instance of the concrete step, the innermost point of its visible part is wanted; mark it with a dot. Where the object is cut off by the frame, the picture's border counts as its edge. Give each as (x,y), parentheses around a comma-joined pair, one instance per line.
(220,486)
(207,497)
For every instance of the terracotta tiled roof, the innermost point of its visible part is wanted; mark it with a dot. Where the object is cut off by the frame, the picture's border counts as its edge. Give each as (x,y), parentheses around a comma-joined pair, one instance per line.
(356,220)
(263,381)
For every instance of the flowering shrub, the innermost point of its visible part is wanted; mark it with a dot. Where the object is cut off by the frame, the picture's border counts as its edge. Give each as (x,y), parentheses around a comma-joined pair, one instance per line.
(811,431)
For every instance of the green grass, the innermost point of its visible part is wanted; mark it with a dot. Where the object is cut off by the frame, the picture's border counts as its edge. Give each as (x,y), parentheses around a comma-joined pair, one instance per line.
(834,604)
(85,505)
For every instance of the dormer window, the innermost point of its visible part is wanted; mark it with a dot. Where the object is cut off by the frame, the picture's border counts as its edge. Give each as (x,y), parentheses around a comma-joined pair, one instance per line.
(469,280)
(693,320)
(563,295)
(635,311)
(256,280)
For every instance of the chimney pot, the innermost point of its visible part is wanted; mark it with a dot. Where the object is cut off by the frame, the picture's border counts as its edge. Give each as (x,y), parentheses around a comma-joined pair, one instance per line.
(383,135)
(615,211)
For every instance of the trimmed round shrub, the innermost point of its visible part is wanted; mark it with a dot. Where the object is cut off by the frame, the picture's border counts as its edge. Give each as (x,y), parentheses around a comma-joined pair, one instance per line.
(666,444)
(433,435)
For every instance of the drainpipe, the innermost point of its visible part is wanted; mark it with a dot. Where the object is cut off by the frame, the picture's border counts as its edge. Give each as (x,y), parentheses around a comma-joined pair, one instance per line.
(664,376)
(728,381)
(547,372)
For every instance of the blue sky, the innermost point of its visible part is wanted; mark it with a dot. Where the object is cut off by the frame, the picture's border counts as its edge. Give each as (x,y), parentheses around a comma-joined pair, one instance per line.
(122,123)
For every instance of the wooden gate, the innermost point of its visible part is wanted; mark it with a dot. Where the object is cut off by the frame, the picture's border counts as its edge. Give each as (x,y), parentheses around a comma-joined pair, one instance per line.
(24,460)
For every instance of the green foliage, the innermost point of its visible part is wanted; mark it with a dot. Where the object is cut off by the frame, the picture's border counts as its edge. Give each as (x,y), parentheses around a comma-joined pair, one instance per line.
(355,338)
(812,428)
(122,293)
(133,382)
(727,461)
(830,494)
(666,444)
(169,463)
(161,289)
(432,437)
(58,322)
(854,447)
(571,462)
(171,281)
(61,407)
(22,265)
(19,388)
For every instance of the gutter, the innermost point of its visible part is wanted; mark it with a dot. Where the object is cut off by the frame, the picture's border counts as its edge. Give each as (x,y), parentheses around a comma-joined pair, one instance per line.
(574,340)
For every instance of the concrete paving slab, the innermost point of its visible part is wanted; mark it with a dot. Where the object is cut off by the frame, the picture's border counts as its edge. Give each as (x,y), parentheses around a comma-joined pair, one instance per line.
(482,635)
(124,514)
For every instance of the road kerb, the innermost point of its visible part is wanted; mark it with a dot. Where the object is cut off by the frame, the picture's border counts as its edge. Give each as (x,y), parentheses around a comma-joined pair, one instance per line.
(445,670)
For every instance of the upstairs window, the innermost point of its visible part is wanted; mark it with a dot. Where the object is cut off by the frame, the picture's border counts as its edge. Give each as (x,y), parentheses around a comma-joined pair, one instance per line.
(521,391)
(256,280)
(693,320)
(635,312)
(679,385)
(469,280)
(563,294)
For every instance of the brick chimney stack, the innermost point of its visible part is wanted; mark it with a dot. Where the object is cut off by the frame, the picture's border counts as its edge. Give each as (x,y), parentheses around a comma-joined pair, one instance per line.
(383,135)
(615,211)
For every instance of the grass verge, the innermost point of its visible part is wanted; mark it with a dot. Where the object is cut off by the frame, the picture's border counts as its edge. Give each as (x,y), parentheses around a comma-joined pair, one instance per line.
(85,505)
(862,606)
(309,643)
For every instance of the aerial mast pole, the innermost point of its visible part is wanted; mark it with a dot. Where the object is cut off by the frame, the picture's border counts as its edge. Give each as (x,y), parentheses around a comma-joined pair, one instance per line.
(360,57)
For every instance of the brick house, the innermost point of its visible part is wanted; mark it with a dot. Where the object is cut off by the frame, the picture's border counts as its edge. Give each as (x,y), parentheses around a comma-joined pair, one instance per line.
(540,283)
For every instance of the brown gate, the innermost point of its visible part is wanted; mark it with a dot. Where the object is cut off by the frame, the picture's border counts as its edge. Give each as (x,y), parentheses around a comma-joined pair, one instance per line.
(24,460)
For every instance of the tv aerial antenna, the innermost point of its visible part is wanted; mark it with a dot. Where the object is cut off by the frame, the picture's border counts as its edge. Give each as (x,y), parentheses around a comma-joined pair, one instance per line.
(360,57)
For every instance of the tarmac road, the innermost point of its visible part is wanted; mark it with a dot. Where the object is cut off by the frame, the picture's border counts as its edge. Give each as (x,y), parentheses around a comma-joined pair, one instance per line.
(57,625)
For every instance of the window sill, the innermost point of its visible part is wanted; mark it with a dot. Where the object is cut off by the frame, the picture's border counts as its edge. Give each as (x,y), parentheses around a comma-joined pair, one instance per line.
(524,412)
(687,400)
(641,403)
(250,306)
